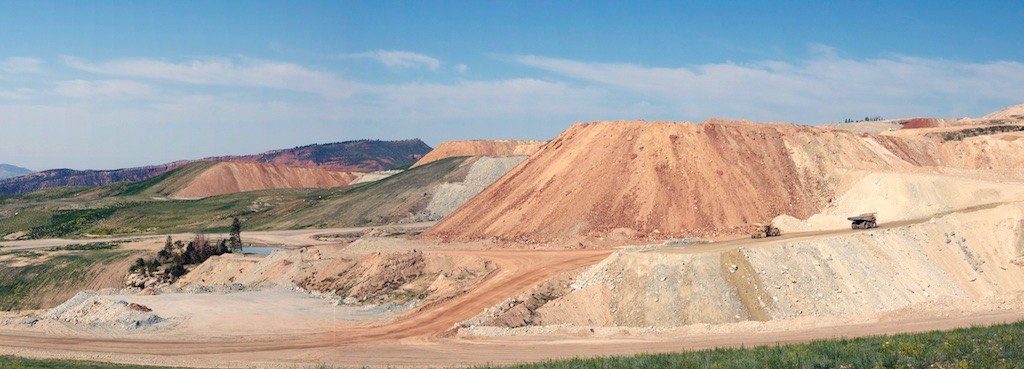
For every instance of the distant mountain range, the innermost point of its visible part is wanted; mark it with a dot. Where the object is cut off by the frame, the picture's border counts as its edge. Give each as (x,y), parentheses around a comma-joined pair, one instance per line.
(356,156)
(8,171)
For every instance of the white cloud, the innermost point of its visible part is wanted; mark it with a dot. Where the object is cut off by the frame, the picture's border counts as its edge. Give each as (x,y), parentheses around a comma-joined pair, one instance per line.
(822,88)
(398,59)
(224,72)
(462,68)
(21,65)
(83,89)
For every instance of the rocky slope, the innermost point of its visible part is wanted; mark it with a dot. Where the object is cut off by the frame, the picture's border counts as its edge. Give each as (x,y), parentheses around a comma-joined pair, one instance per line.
(958,261)
(492,148)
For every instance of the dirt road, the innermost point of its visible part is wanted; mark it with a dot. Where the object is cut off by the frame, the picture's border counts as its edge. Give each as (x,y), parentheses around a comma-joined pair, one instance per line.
(799,236)
(422,338)
(517,271)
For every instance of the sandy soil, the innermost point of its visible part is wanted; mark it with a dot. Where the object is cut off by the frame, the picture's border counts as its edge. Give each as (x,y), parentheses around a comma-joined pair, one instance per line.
(425,337)
(232,177)
(1015,111)
(657,180)
(663,179)
(492,148)
(518,270)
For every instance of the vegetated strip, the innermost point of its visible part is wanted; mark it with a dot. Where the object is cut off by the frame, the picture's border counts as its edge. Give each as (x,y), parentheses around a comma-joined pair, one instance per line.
(972,132)
(998,346)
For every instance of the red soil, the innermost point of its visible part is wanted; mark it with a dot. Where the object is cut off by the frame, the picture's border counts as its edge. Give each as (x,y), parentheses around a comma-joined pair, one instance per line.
(232,177)
(642,180)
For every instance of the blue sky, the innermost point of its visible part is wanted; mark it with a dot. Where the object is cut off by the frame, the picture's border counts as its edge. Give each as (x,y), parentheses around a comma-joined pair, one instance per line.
(114,84)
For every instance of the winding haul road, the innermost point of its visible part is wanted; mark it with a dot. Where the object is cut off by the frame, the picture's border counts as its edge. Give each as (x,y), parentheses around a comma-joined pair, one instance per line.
(423,337)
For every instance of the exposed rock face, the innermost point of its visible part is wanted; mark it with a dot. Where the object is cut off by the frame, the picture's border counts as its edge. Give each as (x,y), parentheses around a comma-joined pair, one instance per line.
(492,148)
(231,177)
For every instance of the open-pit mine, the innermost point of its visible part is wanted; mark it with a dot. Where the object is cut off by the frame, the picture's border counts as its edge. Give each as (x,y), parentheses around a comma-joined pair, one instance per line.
(613,237)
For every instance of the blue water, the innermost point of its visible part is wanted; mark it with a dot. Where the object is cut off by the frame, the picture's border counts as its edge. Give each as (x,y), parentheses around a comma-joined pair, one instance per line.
(259,250)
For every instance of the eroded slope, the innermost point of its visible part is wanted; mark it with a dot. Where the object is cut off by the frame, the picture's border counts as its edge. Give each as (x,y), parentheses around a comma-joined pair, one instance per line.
(492,148)
(232,177)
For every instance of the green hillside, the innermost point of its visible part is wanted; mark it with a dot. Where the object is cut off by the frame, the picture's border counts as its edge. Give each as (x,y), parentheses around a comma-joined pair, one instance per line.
(140,207)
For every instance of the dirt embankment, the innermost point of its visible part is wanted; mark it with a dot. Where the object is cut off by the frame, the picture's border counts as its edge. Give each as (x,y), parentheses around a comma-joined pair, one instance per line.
(640,180)
(493,148)
(1009,112)
(976,261)
(666,179)
(232,177)
(400,277)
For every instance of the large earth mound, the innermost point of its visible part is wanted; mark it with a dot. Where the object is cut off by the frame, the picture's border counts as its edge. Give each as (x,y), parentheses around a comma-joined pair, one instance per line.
(493,148)
(232,177)
(661,180)
(1010,112)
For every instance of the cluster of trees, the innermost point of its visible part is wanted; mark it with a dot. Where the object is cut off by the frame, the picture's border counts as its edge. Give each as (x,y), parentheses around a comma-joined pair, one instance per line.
(175,255)
(866,119)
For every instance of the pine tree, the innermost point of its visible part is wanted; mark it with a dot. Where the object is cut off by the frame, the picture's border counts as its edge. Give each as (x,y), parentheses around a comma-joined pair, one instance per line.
(236,235)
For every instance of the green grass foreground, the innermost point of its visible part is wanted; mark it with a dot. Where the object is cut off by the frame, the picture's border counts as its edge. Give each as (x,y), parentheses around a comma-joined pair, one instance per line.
(1000,346)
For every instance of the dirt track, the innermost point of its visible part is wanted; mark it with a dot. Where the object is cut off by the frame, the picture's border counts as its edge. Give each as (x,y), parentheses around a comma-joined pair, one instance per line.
(423,337)
(518,270)
(746,241)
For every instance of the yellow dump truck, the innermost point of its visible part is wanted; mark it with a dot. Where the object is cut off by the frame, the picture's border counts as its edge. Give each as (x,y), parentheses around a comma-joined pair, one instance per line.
(863,221)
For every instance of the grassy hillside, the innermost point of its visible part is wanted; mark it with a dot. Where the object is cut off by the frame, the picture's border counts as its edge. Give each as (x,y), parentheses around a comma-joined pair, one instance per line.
(44,278)
(140,207)
(1000,346)
(167,183)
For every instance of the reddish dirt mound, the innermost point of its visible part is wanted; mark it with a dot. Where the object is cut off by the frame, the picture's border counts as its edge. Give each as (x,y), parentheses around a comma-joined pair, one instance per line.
(450,149)
(232,177)
(658,180)
(919,123)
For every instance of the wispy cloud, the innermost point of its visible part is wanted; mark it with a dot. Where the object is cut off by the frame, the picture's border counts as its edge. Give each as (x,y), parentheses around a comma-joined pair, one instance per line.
(224,72)
(823,87)
(21,65)
(102,89)
(398,59)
